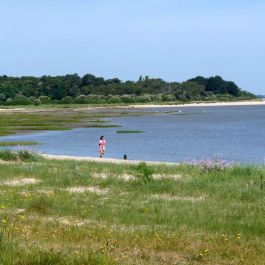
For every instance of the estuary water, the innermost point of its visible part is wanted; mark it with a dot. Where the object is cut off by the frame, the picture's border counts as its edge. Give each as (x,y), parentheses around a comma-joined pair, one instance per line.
(237,133)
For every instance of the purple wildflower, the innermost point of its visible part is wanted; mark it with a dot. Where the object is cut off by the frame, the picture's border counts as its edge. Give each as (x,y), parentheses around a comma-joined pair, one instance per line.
(208,164)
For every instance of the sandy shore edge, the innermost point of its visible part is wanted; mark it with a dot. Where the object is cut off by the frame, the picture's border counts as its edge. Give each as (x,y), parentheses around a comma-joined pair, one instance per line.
(204,104)
(104,160)
(142,106)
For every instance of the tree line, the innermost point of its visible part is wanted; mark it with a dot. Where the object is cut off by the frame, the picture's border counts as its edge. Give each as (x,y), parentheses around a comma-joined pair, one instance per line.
(72,88)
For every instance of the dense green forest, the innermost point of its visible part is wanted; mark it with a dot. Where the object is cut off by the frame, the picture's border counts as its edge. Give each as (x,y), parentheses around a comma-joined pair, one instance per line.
(91,89)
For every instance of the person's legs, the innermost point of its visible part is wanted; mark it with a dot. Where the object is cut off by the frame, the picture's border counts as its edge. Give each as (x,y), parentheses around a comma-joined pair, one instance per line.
(101,153)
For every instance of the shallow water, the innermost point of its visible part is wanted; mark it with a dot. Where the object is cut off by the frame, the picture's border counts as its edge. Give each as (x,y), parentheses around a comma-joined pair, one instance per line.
(170,134)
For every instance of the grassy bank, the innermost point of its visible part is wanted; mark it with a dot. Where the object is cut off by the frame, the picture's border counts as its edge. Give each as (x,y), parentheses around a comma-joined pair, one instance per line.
(69,212)
(18,143)
(32,120)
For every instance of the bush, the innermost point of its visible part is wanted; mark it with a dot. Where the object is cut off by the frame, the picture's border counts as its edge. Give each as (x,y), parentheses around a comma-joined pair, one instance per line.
(41,205)
(81,99)
(168,97)
(37,102)
(92,98)
(144,173)
(21,155)
(34,101)
(144,98)
(8,155)
(20,100)
(67,100)
(9,101)
(128,98)
(44,99)
(114,99)
(157,97)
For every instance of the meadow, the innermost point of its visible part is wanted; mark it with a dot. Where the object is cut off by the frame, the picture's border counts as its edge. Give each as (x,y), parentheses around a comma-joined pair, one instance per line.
(74,212)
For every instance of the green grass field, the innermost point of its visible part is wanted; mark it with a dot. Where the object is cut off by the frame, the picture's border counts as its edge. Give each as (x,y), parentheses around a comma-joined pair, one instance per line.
(69,212)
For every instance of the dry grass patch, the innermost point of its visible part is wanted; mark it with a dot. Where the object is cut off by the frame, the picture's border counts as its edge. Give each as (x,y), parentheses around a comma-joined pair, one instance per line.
(100,176)
(4,210)
(167,197)
(127,177)
(3,162)
(91,189)
(45,192)
(21,182)
(159,176)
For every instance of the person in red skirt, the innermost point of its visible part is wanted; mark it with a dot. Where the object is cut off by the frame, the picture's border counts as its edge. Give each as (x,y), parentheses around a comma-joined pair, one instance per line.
(102,144)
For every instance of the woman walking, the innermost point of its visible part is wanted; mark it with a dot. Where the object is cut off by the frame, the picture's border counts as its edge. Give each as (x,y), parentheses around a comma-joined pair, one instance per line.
(101,143)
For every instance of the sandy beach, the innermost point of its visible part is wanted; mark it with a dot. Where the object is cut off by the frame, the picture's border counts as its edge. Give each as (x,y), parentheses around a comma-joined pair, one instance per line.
(203,104)
(142,106)
(104,160)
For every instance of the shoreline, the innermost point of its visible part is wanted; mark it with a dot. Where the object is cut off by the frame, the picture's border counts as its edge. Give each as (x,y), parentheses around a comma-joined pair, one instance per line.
(104,160)
(203,104)
(260,102)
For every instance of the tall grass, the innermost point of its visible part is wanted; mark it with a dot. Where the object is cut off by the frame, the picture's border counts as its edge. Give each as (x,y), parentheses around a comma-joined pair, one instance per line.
(19,155)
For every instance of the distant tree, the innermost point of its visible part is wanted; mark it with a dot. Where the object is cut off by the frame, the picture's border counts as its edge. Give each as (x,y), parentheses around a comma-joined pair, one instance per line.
(72,85)
(199,80)
(232,89)
(190,91)
(88,80)
(9,89)
(216,84)
(58,91)
(113,81)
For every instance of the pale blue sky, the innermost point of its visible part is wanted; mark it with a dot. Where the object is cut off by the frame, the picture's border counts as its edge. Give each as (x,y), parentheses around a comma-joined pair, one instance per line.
(171,39)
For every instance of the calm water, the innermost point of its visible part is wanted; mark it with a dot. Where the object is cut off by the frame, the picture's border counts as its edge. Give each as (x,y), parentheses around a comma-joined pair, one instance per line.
(235,132)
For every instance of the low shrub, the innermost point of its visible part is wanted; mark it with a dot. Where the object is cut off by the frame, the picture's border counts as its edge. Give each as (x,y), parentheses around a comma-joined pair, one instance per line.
(8,155)
(20,155)
(145,173)
(41,205)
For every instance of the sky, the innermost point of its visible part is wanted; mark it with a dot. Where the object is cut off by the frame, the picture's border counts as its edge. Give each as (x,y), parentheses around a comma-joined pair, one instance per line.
(170,39)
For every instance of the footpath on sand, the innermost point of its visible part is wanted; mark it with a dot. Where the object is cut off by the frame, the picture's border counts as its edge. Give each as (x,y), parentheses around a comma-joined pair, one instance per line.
(104,160)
